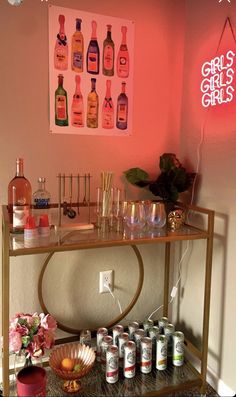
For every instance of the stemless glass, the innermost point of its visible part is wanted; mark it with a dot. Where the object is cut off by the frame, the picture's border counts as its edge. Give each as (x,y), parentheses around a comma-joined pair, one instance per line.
(135,215)
(156,217)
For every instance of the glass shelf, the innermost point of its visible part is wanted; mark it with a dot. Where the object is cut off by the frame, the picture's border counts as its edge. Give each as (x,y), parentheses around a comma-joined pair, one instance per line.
(157,383)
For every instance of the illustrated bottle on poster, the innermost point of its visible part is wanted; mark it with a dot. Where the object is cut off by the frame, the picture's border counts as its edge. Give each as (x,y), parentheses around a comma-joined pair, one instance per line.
(108,54)
(108,108)
(41,200)
(61,47)
(123,56)
(92,106)
(122,109)
(19,198)
(77,48)
(93,52)
(61,107)
(77,107)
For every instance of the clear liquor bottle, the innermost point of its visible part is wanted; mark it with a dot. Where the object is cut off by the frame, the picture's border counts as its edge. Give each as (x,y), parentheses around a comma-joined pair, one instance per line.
(123,56)
(61,47)
(93,52)
(19,198)
(77,107)
(122,109)
(108,108)
(92,106)
(108,54)
(41,200)
(61,107)
(77,48)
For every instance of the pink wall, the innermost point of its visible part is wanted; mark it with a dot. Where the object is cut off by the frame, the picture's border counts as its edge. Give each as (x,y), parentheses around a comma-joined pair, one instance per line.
(24,101)
(216,128)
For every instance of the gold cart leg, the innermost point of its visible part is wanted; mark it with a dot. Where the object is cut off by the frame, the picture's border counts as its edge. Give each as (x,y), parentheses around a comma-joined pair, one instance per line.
(5,307)
(207,296)
(166,279)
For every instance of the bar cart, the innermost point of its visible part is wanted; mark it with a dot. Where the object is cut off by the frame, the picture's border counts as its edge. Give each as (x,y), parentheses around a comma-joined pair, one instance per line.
(156,384)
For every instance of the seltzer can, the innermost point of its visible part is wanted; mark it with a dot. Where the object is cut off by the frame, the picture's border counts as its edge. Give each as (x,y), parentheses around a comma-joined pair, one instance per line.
(153,333)
(161,357)
(116,331)
(147,324)
(101,332)
(138,335)
(112,364)
(106,341)
(146,355)
(178,348)
(169,329)
(132,327)
(161,323)
(129,359)
(122,338)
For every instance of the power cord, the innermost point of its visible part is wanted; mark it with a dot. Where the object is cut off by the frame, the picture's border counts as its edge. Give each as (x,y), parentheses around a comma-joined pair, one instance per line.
(108,286)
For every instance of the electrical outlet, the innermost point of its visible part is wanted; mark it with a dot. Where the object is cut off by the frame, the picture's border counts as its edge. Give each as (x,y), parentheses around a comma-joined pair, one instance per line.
(105,279)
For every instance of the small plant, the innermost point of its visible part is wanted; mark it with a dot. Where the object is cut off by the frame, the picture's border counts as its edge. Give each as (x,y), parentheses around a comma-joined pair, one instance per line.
(173,178)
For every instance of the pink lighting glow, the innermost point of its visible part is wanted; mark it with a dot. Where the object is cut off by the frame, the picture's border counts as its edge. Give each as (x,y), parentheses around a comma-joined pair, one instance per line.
(216,85)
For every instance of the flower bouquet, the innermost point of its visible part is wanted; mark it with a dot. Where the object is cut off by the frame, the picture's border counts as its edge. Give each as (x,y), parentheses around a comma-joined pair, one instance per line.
(31,334)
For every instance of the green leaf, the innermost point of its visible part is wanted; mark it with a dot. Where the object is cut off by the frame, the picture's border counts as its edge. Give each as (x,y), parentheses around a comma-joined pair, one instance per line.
(137,176)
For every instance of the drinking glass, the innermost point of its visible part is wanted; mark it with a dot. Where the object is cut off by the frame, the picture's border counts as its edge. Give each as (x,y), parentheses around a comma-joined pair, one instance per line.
(135,215)
(156,216)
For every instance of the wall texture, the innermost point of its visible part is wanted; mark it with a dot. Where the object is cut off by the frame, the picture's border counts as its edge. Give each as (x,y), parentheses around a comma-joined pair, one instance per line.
(211,134)
(71,283)
(167,117)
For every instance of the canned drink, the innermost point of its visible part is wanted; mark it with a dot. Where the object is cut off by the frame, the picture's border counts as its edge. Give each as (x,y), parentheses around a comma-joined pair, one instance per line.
(85,337)
(122,338)
(112,364)
(139,333)
(132,327)
(116,331)
(148,324)
(146,355)
(178,348)
(169,329)
(106,341)
(161,357)
(161,323)
(129,359)
(101,332)
(153,333)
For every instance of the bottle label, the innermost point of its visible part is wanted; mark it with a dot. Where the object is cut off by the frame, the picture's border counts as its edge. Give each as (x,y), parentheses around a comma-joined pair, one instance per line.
(20,214)
(41,202)
(78,60)
(108,57)
(77,119)
(60,107)
(93,62)
(122,113)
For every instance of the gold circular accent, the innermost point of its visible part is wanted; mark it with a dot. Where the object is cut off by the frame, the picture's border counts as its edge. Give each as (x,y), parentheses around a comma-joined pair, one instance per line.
(116,319)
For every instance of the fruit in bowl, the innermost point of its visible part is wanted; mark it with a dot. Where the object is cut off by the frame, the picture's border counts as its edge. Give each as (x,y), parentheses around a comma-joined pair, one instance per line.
(71,362)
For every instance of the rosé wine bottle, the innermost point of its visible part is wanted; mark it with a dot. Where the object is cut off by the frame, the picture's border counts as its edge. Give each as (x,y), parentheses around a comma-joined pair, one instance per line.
(19,199)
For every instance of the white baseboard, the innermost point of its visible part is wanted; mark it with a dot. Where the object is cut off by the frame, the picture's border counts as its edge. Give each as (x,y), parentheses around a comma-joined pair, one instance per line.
(222,389)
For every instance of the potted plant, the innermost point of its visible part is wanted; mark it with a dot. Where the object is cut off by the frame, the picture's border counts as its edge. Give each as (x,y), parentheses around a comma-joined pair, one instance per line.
(172,180)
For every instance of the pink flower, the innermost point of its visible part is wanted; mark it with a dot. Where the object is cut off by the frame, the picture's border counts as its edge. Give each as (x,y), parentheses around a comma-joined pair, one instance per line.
(48,322)
(15,341)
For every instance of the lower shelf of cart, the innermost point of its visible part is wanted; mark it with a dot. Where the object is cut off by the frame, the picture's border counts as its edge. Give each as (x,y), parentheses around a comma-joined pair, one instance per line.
(157,383)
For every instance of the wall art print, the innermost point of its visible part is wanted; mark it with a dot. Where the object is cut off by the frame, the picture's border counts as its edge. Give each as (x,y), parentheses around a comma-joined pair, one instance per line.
(90,73)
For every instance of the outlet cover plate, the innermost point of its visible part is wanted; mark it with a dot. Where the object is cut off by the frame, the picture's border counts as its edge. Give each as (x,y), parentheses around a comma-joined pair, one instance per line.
(106,278)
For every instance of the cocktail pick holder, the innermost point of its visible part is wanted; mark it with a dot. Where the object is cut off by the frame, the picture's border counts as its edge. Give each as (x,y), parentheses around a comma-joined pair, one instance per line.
(77,185)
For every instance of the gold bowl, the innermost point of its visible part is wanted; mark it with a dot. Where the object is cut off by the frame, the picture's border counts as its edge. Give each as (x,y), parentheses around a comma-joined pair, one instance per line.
(83,356)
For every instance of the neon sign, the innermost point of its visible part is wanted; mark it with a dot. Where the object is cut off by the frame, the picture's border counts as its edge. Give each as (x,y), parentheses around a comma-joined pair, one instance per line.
(216,85)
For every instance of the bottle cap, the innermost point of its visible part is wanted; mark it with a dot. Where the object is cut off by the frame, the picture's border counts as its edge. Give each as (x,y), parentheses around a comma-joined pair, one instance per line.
(43,220)
(30,222)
